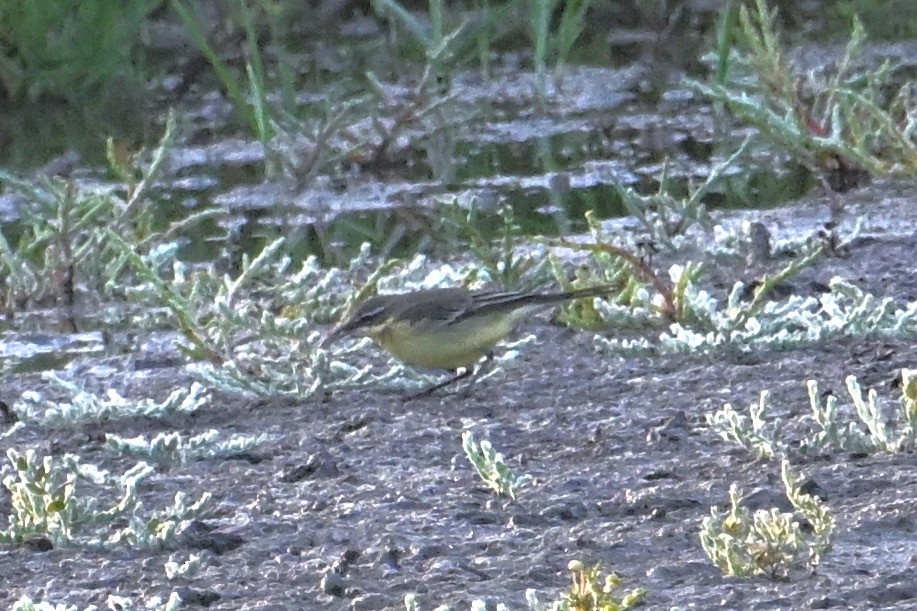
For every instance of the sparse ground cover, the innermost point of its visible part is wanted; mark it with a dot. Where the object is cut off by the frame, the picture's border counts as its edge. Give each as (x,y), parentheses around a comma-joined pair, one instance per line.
(175,435)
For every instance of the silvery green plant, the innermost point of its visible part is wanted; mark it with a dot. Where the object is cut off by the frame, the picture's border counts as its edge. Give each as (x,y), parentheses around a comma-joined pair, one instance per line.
(767,440)
(60,249)
(793,323)
(909,401)
(411,604)
(754,432)
(56,218)
(849,119)
(284,358)
(172,449)
(665,218)
(589,591)
(241,343)
(27,604)
(743,543)
(155,531)
(500,258)
(635,306)
(641,298)
(877,437)
(173,603)
(50,500)
(491,467)
(175,568)
(83,406)
(256,333)
(428,114)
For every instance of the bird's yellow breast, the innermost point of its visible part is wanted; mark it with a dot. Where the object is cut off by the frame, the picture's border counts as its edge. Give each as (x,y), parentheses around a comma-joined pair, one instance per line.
(445,346)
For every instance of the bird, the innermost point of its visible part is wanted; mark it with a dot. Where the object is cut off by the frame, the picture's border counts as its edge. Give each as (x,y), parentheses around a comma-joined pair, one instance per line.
(447,328)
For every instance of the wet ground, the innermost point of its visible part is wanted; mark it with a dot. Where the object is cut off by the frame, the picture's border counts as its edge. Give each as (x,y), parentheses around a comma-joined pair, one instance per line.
(362,498)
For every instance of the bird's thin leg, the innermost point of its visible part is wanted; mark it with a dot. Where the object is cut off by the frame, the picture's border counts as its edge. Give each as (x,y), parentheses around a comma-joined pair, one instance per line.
(479,371)
(473,372)
(467,371)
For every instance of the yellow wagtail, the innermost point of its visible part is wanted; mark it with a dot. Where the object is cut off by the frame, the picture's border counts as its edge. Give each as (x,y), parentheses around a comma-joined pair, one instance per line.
(449,328)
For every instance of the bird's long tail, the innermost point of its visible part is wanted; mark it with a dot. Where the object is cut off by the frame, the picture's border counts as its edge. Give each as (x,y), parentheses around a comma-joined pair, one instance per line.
(498,301)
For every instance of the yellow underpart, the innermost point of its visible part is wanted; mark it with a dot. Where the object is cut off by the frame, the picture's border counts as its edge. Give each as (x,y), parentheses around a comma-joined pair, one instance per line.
(445,346)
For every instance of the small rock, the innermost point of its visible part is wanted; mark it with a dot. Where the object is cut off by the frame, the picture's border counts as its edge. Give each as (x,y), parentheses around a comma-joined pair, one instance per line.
(332,584)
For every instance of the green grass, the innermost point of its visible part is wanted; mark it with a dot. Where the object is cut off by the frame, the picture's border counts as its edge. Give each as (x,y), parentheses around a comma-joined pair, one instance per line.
(68,49)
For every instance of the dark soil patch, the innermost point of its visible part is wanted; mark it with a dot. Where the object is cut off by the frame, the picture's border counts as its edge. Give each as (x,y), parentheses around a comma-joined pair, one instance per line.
(624,467)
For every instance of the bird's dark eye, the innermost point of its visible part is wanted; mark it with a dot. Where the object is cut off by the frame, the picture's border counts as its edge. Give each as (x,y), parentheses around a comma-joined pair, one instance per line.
(370,316)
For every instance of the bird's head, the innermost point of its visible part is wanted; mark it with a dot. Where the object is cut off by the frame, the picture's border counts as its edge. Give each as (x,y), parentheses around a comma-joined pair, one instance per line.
(368,314)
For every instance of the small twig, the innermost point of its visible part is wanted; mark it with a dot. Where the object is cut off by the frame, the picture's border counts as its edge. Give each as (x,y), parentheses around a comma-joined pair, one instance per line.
(669,309)
(767,283)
